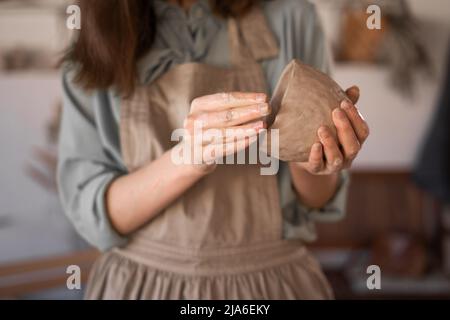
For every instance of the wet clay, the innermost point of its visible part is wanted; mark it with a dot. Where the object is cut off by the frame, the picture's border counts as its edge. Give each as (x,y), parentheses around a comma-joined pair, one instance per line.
(303,101)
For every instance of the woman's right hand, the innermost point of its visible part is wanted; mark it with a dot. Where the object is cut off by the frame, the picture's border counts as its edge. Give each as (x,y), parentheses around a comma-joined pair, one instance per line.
(230,121)
(133,200)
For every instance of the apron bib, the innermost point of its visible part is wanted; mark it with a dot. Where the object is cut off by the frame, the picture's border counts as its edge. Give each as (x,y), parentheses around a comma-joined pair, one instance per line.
(235,205)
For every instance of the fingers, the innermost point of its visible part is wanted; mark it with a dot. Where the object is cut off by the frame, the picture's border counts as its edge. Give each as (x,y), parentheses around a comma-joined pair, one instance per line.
(230,117)
(237,146)
(331,150)
(316,163)
(217,143)
(215,151)
(358,123)
(222,101)
(233,133)
(353,94)
(346,135)
(229,121)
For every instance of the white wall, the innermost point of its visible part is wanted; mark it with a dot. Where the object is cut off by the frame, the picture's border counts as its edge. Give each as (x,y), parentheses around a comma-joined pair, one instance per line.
(435,10)
(31,220)
(32,223)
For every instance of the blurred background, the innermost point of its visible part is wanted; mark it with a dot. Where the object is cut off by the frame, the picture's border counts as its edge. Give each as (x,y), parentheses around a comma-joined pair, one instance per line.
(398,213)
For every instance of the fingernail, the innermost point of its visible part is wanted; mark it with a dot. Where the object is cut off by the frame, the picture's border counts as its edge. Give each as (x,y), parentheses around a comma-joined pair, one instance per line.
(356,88)
(339,113)
(263,108)
(261,97)
(258,125)
(323,133)
(317,147)
(346,105)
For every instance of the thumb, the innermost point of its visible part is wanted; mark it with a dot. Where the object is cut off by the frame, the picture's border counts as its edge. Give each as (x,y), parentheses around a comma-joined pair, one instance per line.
(353,94)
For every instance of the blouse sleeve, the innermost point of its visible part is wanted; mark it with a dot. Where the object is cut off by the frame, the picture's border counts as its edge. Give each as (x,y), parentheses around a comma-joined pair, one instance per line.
(300,35)
(85,169)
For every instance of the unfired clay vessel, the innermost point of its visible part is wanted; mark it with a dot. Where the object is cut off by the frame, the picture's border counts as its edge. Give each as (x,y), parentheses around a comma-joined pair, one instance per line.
(302,102)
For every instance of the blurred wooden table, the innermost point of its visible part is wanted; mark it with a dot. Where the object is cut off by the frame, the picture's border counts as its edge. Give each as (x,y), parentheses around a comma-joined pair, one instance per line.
(23,278)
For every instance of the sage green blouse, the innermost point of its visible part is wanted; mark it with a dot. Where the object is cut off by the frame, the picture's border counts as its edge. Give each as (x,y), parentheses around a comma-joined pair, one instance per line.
(89,149)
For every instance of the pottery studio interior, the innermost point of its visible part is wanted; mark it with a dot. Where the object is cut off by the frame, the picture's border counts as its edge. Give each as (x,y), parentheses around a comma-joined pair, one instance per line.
(396,221)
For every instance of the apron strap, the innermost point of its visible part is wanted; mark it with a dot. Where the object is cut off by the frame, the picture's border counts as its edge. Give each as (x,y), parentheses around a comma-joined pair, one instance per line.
(251,38)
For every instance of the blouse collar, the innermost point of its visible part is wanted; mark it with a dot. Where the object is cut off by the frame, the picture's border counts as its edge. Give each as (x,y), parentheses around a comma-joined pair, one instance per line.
(185,37)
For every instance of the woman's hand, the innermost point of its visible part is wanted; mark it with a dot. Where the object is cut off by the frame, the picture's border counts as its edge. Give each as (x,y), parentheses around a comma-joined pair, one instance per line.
(132,200)
(316,181)
(331,155)
(230,121)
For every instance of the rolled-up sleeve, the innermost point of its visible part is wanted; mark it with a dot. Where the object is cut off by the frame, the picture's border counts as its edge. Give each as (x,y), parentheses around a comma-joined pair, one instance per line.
(85,169)
(299,221)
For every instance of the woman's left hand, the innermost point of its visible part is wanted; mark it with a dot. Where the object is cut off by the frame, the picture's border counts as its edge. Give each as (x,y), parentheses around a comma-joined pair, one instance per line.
(331,155)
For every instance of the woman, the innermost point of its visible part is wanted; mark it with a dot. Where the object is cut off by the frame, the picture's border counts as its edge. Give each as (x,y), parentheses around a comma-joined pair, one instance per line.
(137,72)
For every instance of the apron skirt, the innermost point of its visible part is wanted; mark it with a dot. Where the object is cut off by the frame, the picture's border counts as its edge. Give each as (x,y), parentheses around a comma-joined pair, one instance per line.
(150,271)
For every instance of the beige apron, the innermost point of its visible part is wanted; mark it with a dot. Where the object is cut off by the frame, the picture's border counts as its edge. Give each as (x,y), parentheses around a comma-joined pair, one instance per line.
(223,238)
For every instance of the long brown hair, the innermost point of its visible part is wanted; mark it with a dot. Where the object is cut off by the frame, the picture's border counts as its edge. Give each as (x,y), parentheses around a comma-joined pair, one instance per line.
(116,33)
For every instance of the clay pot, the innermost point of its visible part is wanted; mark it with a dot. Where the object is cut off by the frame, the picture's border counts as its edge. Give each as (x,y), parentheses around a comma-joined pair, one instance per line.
(303,101)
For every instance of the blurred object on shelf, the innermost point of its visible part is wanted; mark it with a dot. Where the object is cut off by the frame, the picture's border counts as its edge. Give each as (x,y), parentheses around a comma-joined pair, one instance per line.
(26,59)
(400,254)
(397,44)
(359,43)
(34,34)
